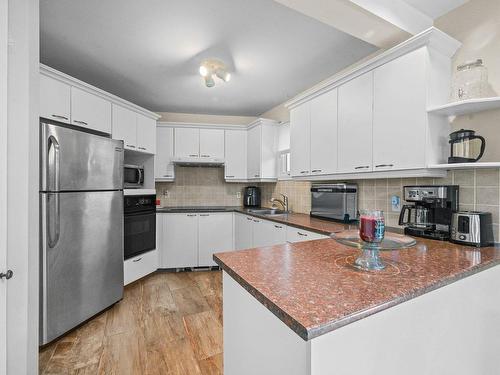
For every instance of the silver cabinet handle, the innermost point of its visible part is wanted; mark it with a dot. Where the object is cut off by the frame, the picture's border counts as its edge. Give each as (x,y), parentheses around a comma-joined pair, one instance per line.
(204,214)
(256,175)
(131,146)
(205,156)
(191,215)
(137,260)
(278,226)
(316,170)
(193,155)
(142,148)
(229,176)
(7,275)
(61,117)
(256,221)
(80,122)
(249,218)
(384,165)
(362,167)
(302,234)
(302,172)
(167,175)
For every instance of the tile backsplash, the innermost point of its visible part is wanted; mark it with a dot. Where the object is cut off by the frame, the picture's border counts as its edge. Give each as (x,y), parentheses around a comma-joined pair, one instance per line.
(197,186)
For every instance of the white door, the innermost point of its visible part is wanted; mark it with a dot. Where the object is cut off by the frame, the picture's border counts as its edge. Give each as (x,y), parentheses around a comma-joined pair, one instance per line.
(215,235)
(324,133)
(356,125)
(55,99)
(146,134)
(300,140)
(164,168)
(90,111)
(187,142)
(400,113)
(243,231)
(125,126)
(212,143)
(236,154)
(254,151)
(180,241)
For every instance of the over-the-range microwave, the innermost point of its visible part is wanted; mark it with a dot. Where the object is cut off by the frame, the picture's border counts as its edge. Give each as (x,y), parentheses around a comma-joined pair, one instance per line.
(133,176)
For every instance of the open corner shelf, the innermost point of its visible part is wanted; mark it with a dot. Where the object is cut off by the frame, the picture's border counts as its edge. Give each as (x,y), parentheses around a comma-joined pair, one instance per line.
(466,165)
(466,107)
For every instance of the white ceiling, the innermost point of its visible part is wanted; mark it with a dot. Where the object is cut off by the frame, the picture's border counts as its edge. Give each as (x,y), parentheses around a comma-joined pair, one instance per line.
(435,8)
(149,51)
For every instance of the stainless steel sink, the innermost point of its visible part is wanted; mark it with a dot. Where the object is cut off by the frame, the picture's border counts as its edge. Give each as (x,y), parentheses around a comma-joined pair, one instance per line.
(268,211)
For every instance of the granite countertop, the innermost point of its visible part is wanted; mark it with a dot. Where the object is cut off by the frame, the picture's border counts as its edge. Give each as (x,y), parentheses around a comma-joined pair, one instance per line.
(314,289)
(302,221)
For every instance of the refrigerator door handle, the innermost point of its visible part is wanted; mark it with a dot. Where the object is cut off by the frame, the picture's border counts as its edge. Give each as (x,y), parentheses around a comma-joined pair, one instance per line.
(53,220)
(53,163)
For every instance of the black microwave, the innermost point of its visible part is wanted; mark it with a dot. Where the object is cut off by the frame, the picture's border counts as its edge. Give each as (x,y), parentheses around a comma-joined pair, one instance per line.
(133,176)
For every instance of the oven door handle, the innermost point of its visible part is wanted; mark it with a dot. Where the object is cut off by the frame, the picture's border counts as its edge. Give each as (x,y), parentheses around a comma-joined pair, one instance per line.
(139,170)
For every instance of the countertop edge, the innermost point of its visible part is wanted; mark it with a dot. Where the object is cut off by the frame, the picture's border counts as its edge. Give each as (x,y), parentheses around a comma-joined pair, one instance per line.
(311,333)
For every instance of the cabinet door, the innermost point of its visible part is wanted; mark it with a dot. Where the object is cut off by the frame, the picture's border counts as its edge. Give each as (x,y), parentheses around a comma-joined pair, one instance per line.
(254,152)
(356,124)
(164,168)
(55,99)
(90,111)
(236,154)
(268,148)
(212,143)
(243,231)
(399,113)
(125,126)
(215,235)
(324,133)
(146,134)
(187,142)
(269,233)
(180,241)
(300,140)
(300,235)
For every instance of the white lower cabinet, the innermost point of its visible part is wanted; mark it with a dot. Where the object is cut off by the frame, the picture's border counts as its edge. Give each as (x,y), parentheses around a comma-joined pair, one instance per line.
(140,266)
(243,231)
(215,234)
(251,232)
(299,235)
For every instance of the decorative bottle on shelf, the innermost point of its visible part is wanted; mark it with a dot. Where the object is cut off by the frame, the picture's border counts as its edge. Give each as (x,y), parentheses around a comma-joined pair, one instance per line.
(470,81)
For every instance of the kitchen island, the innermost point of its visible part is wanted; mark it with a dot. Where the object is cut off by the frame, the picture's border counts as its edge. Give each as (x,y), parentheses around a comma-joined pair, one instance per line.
(303,309)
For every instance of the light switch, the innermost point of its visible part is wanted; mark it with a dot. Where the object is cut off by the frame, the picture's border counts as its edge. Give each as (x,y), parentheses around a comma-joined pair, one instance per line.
(396,203)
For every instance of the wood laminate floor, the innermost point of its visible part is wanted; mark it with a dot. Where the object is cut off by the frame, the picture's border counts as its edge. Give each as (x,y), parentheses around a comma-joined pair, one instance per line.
(167,323)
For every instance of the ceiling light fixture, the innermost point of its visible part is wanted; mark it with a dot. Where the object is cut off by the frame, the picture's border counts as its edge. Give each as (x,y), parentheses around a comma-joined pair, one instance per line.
(213,67)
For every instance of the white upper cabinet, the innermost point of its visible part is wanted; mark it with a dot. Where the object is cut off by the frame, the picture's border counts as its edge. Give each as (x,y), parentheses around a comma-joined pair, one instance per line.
(125,126)
(400,113)
(356,125)
(254,152)
(55,99)
(300,140)
(212,143)
(164,167)
(146,134)
(90,111)
(187,142)
(323,147)
(236,155)
(215,235)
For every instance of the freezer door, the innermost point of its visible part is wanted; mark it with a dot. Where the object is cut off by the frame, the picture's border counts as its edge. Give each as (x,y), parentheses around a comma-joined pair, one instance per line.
(72,160)
(81,258)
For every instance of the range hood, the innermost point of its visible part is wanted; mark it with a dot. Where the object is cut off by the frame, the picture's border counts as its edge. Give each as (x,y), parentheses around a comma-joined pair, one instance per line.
(198,162)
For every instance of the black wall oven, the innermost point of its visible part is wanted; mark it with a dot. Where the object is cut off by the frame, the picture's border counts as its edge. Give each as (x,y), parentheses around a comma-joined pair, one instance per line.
(139,224)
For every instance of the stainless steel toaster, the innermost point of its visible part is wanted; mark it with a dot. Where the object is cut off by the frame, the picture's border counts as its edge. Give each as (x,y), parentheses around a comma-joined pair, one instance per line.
(335,201)
(472,228)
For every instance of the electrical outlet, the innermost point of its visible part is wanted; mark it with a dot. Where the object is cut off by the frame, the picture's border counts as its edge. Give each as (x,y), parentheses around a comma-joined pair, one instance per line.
(238,194)
(165,193)
(396,203)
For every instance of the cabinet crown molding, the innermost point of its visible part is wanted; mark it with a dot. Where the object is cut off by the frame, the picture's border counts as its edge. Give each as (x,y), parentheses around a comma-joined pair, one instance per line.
(202,125)
(63,77)
(433,38)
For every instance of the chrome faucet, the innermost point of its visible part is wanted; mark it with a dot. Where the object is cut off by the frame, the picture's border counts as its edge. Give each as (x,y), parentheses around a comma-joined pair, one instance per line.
(283,202)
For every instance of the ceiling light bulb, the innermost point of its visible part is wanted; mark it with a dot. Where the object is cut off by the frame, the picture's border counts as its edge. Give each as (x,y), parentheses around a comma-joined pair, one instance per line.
(203,71)
(223,74)
(209,81)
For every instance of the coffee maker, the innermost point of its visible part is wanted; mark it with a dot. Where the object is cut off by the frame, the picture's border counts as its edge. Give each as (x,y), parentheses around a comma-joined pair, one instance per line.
(251,197)
(430,215)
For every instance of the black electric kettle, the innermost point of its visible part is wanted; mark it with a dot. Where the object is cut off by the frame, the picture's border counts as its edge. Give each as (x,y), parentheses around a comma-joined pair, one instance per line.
(464,147)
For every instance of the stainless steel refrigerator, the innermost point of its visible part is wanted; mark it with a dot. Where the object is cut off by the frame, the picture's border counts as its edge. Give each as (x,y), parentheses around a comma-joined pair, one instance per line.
(81,227)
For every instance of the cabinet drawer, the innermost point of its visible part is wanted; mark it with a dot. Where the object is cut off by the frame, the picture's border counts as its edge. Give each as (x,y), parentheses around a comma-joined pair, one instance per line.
(299,235)
(140,266)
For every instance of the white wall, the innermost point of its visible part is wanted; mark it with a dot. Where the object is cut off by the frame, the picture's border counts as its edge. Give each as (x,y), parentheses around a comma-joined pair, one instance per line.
(22,188)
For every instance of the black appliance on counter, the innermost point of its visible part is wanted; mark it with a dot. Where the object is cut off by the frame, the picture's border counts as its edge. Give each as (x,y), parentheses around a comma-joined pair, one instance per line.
(463,147)
(472,228)
(251,197)
(431,214)
(139,224)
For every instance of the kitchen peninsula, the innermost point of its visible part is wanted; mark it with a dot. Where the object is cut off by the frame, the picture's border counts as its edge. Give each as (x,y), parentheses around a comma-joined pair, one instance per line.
(302,309)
